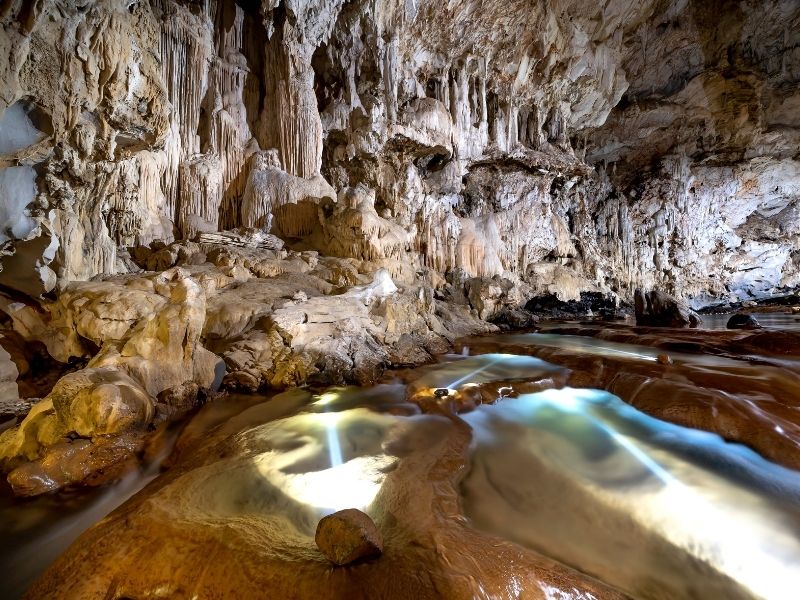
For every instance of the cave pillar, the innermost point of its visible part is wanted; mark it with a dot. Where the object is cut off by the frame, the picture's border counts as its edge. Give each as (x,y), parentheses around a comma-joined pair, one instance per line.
(291,121)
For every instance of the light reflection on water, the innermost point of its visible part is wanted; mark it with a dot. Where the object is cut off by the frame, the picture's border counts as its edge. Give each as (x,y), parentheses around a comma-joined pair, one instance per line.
(459,370)
(655,509)
(658,510)
(579,344)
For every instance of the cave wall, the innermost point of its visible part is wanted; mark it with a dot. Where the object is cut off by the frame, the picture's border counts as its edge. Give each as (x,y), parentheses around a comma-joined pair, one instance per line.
(566,146)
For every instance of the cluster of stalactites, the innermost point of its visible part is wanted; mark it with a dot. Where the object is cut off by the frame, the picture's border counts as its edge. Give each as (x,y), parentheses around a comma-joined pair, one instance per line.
(185,52)
(446,241)
(210,139)
(290,119)
(481,118)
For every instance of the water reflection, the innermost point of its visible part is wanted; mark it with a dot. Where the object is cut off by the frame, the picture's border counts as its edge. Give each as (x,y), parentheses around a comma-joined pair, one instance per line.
(770,320)
(332,453)
(483,368)
(656,509)
(304,459)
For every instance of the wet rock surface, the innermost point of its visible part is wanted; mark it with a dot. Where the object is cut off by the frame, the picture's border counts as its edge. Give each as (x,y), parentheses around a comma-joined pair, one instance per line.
(658,309)
(348,536)
(743,321)
(251,492)
(442,489)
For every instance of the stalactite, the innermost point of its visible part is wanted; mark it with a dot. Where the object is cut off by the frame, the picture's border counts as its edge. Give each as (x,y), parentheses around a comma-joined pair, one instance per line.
(186,47)
(513,133)
(478,245)
(291,121)
(389,71)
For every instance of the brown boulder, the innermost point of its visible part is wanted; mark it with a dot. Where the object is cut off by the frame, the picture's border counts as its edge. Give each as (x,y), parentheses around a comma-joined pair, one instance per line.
(347,536)
(658,309)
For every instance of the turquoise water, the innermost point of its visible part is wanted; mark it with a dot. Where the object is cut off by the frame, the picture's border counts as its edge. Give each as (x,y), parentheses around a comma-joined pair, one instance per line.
(653,509)
(658,510)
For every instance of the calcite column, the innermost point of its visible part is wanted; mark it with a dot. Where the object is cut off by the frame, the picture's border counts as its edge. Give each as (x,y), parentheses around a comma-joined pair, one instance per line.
(292,124)
(290,120)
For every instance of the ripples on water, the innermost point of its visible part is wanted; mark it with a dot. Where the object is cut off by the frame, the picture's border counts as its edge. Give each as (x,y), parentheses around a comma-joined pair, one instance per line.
(654,509)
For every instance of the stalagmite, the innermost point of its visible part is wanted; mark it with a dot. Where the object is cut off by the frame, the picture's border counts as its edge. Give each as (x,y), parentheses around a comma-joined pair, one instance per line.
(287,198)
(201,187)
(276,199)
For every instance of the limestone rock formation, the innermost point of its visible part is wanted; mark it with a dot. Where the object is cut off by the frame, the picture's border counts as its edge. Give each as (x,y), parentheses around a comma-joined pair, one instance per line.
(657,309)
(490,295)
(147,330)
(347,536)
(264,194)
(244,237)
(8,378)
(572,148)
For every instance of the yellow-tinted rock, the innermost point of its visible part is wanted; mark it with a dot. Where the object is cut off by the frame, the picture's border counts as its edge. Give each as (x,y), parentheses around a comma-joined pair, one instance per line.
(347,536)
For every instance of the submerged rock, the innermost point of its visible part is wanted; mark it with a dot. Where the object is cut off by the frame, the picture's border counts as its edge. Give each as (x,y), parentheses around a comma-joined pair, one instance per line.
(347,536)
(78,462)
(743,321)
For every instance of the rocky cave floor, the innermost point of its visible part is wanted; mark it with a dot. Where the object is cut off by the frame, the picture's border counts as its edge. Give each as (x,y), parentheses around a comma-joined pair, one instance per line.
(104,369)
(236,234)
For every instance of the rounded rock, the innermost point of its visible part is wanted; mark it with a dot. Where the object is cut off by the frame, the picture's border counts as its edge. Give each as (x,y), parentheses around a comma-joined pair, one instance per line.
(743,321)
(348,536)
